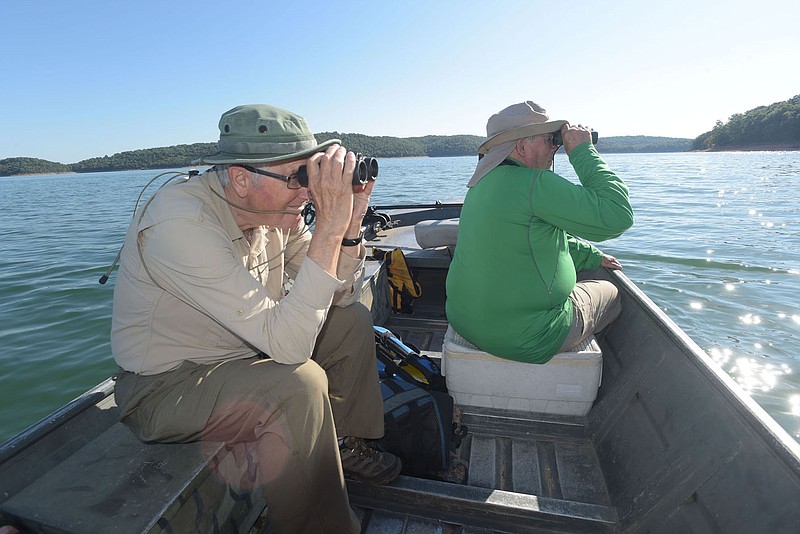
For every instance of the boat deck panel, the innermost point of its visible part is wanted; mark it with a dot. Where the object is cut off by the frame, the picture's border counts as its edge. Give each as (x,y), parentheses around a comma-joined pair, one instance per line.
(558,462)
(117,483)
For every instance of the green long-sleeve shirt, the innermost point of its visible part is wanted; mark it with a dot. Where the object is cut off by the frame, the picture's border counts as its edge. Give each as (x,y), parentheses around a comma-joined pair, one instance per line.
(516,259)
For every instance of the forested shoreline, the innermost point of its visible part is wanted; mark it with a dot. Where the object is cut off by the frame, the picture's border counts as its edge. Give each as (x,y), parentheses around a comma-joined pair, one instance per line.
(181,156)
(773,127)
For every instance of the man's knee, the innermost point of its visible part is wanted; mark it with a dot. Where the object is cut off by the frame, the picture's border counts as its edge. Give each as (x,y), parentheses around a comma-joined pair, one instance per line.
(308,380)
(611,305)
(345,327)
(299,386)
(356,317)
(612,296)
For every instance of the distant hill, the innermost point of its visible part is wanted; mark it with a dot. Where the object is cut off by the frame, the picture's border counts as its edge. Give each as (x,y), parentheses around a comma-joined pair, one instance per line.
(772,127)
(181,156)
(642,143)
(169,157)
(15,166)
(402,147)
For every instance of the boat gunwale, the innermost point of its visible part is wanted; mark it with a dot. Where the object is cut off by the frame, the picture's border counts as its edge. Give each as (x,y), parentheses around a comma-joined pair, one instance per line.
(40,429)
(756,417)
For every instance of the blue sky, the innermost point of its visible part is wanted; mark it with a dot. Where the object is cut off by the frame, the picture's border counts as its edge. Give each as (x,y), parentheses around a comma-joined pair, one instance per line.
(88,78)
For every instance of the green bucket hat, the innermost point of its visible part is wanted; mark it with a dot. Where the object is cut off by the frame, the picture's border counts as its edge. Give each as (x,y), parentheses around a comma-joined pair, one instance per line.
(257,133)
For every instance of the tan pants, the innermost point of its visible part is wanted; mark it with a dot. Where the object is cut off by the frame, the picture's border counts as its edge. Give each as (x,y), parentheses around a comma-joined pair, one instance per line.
(595,304)
(285,416)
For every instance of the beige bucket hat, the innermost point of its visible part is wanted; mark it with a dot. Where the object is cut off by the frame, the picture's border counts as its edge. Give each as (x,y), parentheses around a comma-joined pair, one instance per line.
(504,128)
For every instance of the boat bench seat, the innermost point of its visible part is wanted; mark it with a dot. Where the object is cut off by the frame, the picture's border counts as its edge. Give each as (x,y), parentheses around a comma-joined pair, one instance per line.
(437,233)
(566,385)
(115,483)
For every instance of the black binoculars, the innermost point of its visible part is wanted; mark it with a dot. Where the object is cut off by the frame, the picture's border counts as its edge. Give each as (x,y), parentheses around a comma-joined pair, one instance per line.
(366,169)
(557,140)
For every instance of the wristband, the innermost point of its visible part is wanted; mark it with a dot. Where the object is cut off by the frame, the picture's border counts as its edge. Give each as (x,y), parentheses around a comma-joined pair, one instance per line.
(353,242)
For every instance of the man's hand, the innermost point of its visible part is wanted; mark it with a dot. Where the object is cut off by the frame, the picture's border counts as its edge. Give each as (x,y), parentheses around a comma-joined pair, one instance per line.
(361,196)
(330,184)
(610,262)
(575,135)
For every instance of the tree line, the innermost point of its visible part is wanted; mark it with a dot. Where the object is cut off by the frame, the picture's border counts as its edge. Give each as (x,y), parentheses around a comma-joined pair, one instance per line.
(181,156)
(773,126)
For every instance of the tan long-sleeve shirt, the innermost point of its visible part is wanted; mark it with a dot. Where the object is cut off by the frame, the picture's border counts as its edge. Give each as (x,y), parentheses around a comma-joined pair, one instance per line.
(191,286)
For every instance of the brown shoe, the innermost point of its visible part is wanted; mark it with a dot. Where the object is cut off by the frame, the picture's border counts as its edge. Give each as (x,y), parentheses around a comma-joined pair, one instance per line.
(365,464)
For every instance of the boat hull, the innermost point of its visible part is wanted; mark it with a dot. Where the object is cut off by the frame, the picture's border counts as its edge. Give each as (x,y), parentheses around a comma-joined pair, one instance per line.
(671,444)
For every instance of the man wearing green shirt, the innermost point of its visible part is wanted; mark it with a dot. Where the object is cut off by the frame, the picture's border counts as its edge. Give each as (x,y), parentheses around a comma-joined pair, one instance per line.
(512,288)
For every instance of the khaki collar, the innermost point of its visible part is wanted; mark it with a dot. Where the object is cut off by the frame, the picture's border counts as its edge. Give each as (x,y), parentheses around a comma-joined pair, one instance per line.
(221,208)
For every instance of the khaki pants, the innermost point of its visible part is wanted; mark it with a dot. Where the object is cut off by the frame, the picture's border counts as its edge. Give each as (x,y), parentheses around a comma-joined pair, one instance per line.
(286,417)
(595,304)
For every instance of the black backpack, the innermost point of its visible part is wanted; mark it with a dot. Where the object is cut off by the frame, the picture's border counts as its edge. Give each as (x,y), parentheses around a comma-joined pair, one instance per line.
(418,411)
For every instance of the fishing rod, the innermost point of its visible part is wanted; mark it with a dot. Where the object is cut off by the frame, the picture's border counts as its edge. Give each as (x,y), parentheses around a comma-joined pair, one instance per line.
(435,205)
(377,218)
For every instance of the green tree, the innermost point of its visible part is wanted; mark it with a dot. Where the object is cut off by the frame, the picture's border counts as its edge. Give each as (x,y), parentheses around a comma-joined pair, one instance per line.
(775,125)
(17,166)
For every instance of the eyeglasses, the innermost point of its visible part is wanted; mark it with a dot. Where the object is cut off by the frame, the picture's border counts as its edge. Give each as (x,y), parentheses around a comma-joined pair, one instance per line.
(292,181)
(548,139)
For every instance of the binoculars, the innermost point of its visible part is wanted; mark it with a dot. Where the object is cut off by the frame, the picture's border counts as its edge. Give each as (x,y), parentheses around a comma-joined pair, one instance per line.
(366,169)
(558,141)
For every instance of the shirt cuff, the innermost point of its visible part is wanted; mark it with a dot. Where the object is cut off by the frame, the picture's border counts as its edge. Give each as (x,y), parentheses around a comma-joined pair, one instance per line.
(315,285)
(348,264)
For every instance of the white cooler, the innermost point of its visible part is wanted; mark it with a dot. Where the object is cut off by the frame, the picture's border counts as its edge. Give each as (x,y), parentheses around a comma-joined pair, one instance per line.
(566,385)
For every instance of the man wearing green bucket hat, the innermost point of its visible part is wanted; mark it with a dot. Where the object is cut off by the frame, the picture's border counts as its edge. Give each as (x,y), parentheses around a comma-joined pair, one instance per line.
(232,322)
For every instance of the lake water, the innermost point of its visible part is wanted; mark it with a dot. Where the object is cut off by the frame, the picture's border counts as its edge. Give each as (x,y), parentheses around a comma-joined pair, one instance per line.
(716,244)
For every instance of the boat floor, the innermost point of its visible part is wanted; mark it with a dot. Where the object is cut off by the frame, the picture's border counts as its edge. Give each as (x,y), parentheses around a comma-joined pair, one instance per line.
(526,472)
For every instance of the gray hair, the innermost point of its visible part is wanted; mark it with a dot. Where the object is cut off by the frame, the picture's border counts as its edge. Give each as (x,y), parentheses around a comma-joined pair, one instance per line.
(225,177)
(222,174)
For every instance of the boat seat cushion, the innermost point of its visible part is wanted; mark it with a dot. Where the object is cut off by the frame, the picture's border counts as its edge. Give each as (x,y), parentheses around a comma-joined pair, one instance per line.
(438,233)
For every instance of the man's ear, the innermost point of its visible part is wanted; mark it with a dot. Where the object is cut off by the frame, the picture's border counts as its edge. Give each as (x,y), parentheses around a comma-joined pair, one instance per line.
(520,146)
(240,180)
